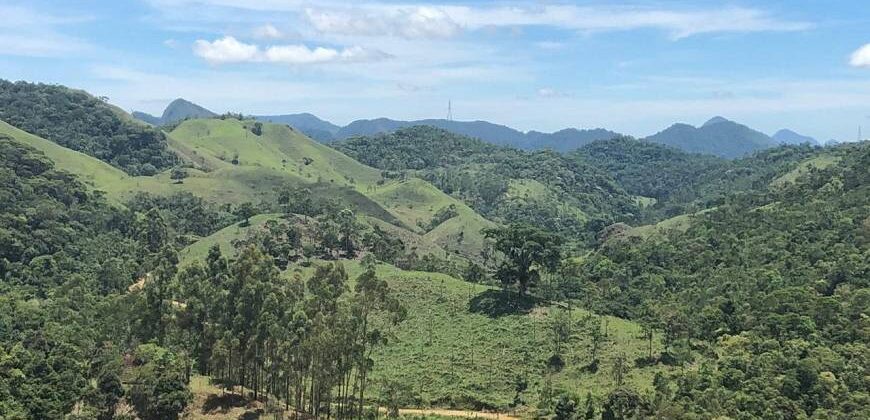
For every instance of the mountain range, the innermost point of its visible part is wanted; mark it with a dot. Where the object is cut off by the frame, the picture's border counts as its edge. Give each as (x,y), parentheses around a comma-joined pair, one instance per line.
(718,136)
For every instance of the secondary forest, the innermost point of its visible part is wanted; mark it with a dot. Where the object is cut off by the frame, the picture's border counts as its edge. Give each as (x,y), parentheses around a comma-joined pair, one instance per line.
(419,269)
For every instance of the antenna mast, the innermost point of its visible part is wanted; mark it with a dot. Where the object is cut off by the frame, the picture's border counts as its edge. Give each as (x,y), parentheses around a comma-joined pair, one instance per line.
(449,110)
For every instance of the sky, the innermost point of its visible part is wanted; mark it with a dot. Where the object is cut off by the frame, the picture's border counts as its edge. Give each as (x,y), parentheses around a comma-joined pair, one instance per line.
(633,67)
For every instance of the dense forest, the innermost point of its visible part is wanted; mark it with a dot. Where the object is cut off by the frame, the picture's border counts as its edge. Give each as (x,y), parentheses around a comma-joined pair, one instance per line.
(503,184)
(79,121)
(682,182)
(769,291)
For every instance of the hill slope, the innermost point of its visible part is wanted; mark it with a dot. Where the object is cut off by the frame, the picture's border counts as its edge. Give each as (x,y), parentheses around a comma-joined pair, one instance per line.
(503,184)
(771,273)
(718,136)
(681,182)
(79,121)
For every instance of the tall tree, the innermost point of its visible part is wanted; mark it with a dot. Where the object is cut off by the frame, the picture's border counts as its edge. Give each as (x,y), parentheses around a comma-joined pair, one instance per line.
(527,252)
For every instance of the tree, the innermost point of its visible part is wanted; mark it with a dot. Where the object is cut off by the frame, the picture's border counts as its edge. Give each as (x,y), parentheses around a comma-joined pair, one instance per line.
(372,295)
(623,404)
(107,393)
(527,251)
(161,387)
(152,230)
(245,211)
(620,369)
(257,128)
(348,228)
(566,408)
(178,174)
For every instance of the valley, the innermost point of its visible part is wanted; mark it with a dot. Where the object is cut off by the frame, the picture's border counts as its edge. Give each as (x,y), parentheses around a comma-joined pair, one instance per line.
(422,271)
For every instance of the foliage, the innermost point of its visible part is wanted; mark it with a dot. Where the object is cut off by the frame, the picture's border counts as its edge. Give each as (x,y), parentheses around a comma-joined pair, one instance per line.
(773,281)
(527,251)
(84,123)
(482,175)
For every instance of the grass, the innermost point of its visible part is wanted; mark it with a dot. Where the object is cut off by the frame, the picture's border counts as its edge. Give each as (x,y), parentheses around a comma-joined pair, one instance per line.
(223,238)
(455,351)
(677,223)
(819,162)
(280,157)
(463,345)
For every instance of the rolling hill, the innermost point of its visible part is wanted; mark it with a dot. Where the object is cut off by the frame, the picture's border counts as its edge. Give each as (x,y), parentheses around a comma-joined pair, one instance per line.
(503,184)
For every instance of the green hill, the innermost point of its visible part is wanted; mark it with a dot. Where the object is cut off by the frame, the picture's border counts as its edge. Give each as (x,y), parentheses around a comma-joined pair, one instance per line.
(466,345)
(281,155)
(772,273)
(79,121)
(572,197)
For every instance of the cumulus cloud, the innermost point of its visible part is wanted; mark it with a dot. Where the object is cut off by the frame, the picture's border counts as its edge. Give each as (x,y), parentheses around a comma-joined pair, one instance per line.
(226,50)
(230,50)
(861,57)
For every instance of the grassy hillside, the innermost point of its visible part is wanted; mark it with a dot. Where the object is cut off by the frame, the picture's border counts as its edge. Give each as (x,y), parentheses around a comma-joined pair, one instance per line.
(278,158)
(282,156)
(465,345)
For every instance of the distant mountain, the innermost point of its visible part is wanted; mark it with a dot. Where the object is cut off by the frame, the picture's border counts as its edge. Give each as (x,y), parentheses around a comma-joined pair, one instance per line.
(146,117)
(177,110)
(312,126)
(786,136)
(563,140)
(718,136)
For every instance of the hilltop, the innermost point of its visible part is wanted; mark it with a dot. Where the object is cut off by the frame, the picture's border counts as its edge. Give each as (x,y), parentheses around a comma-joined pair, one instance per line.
(177,110)
(718,136)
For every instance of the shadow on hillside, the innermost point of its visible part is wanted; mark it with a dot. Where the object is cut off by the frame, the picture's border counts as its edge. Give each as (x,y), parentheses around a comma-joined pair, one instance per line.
(224,403)
(497,303)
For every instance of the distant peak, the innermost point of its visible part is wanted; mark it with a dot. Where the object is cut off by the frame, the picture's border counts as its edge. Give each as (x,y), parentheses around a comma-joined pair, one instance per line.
(716,120)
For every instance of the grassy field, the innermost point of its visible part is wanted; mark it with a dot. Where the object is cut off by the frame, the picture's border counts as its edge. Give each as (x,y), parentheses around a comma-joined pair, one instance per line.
(463,344)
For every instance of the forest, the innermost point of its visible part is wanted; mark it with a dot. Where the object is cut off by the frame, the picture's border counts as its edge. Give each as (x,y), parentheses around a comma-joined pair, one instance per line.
(419,270)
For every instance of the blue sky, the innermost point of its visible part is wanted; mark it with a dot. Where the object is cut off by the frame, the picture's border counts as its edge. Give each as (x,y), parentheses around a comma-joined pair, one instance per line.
(632,67)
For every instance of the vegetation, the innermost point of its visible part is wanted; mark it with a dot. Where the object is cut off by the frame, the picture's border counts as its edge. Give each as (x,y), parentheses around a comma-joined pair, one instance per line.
(283,276)
(681,182)
(571,197)
(772,282)
(84,123)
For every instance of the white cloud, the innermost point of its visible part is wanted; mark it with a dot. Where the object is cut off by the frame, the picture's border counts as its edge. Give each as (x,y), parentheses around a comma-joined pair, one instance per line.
(408,22)
(230,50)
(861,57)
(226,50)
(441,21)
(268,31)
